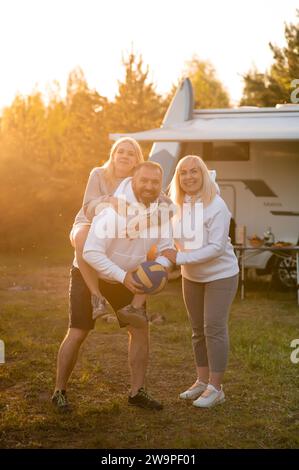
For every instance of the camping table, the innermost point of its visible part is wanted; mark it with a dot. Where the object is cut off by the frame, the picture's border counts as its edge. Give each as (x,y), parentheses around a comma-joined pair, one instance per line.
(278,251)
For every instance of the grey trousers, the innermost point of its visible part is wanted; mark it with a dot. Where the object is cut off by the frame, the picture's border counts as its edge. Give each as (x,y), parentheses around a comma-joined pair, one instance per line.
(208,305)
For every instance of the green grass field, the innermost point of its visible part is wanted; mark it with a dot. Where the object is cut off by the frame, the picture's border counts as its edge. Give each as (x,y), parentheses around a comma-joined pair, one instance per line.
(261,384)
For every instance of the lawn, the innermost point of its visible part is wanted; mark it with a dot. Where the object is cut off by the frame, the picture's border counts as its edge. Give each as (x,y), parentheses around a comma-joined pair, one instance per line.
(261,384)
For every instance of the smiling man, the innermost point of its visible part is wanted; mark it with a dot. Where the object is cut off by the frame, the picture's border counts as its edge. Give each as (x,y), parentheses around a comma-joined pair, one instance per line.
(115,255)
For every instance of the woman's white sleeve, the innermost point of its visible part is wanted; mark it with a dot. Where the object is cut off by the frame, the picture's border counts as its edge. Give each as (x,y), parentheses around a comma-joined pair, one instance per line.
(218,230)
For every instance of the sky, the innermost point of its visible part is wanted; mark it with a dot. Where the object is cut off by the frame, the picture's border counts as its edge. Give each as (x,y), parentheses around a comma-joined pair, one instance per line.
(43,40)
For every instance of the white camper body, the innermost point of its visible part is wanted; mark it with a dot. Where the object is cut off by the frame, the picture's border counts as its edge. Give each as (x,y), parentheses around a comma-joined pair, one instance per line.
(255,152)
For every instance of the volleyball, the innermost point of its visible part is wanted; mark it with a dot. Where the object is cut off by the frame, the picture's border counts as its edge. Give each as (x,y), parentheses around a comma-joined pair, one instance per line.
(153,277)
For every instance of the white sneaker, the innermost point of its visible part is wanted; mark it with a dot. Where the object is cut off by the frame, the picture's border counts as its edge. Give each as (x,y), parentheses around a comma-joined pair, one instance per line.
(99,307)
(194,392)
(214,398)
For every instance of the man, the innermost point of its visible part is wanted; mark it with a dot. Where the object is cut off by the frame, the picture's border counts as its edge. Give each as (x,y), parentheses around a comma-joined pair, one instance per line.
(115,258)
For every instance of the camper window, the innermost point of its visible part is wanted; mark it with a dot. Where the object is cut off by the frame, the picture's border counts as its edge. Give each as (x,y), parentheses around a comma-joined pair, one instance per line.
(218,151)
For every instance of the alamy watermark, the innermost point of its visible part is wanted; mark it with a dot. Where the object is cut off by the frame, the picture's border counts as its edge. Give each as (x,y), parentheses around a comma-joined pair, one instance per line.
(295,354)
(157,221)
(295,93)
(2,352)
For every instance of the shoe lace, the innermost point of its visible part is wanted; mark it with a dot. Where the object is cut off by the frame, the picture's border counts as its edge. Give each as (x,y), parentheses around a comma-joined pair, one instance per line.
(144,393)
(127,308)
(61,399)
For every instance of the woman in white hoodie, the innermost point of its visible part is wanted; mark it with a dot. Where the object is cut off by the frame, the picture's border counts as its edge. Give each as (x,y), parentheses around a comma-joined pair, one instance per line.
(209,275)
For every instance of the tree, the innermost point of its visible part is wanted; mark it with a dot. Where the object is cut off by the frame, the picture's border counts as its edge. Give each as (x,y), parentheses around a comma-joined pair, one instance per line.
(137,105)
(275,86)
(47,149)
(208,90)
(46,154)
(23,128)
(56,127)
(85,136)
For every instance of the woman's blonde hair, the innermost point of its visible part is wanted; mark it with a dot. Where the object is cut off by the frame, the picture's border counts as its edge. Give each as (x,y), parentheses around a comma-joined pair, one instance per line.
(109,170)
(208,188)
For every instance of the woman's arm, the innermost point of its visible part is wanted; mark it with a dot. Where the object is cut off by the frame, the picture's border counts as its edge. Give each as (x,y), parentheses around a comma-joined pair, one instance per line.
(97,205)
(93,192)
(218,230)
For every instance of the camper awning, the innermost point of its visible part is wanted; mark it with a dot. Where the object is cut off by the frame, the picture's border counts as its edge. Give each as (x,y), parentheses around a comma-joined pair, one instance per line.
(226,127)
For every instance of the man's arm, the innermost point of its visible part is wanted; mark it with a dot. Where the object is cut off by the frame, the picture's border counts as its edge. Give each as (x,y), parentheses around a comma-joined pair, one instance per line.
(97,244)
(95,252)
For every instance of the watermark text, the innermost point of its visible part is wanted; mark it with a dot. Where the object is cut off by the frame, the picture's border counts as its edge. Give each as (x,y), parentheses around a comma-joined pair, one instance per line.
(295,354)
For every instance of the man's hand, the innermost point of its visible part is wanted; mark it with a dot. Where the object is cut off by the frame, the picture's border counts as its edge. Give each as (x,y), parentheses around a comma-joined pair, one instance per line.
(170,254)
(132,285)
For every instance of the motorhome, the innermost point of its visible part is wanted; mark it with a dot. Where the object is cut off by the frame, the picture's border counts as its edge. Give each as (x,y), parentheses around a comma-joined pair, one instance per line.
(255,152)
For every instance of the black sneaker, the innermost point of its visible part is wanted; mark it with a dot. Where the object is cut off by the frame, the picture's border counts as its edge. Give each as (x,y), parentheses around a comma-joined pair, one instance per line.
(143,400)
(60,401)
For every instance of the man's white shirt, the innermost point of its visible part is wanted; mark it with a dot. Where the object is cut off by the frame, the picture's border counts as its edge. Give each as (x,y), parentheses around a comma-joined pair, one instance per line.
(114,255)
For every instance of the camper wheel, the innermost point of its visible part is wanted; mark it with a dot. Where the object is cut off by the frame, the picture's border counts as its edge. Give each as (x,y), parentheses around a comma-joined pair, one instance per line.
(284,272)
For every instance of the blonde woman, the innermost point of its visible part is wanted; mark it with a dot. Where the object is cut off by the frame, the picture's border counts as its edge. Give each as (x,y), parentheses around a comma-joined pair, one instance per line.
(209,277)
(125,155)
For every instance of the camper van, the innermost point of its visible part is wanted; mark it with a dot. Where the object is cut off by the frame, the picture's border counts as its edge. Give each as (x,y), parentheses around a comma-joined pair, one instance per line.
(255,152)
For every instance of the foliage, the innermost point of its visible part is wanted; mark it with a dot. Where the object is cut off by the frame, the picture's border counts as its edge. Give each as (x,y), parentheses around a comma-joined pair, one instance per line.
(137,106)
(208,90)
(275,86)
(48,147)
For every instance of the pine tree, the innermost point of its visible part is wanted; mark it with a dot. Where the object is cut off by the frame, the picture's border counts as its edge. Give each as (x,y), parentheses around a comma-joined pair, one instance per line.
(208,90)
(137,105)
(86,136)
(275,86)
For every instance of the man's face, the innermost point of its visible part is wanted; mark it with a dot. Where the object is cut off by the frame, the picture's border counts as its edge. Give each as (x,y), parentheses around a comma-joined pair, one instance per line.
(147,184)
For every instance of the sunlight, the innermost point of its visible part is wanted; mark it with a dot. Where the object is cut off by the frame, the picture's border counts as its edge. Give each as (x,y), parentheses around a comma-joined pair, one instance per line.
(46,40)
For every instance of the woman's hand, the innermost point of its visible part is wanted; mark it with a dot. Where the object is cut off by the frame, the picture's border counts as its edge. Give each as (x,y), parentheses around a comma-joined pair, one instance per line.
(170,254)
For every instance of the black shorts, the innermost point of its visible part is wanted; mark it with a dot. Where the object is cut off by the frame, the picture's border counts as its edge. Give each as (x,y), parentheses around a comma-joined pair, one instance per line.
(80,308)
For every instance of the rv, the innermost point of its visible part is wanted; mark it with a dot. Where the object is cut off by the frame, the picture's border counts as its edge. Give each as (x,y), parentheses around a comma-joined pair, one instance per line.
(255,152)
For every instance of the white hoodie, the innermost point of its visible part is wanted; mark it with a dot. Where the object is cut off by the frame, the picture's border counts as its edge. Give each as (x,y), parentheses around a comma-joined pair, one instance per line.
(216,258)
(113,257)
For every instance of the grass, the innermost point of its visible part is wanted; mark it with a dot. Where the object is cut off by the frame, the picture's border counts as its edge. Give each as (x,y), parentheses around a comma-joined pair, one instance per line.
(261,383)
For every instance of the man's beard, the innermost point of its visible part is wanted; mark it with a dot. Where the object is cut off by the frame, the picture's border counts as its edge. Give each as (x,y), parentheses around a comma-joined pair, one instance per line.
(147,198)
